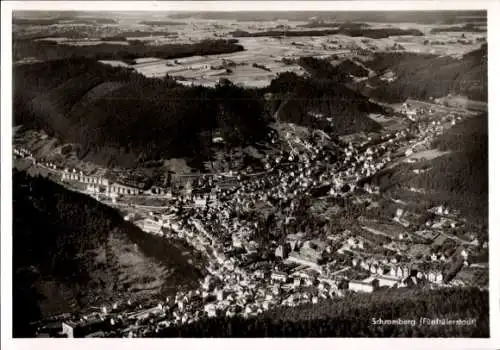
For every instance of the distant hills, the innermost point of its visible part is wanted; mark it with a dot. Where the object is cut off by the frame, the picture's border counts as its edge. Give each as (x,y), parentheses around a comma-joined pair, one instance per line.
(162,23)
(425,17)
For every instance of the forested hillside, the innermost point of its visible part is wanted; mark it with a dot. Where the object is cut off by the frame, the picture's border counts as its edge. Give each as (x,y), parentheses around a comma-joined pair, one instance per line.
(51,233)
(120,117)
(422,76)
(352,316)
(51,50)
(461,177)
(63,255)
(311,102)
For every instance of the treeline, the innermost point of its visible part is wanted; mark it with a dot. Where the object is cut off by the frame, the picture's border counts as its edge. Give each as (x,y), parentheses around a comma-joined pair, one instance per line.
(352,68)
(62,20)
(374,33)
(323,69)
(460,178)
(162,23)
(261,66)
(309,102)
(468,27)
(323,24)
(49,50)
(353,316)
(124,36)
(422,76)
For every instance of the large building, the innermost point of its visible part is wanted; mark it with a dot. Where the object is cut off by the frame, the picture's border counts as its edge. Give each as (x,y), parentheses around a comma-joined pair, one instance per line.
(360,286)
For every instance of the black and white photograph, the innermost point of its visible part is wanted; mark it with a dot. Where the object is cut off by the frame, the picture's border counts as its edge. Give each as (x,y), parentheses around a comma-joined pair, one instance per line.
(249,173)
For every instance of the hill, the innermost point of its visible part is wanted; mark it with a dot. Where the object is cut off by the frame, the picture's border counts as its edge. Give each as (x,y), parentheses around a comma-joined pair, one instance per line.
(70,252)
(44,50)
(129,117)
(353,316)
(322,103)
(120,117)
(422,76)
(460,178)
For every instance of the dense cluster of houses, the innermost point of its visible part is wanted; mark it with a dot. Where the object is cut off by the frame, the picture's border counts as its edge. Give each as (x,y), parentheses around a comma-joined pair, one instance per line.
(22,152)
(212,216)
(98,184)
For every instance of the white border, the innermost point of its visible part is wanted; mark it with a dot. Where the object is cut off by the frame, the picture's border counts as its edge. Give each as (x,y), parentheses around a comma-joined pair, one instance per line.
(7,342)
(228,6)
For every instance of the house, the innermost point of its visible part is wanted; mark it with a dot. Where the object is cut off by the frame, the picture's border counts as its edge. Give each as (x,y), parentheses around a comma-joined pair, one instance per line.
(279,276)
(392,271)
(297,281)
(237,242)
(388,281)
(402,271)
(210,310)
(435,276)
(360,286)
(82,329)
(282,251)
(399,213)
(200,202)
(68,329)
(150,225)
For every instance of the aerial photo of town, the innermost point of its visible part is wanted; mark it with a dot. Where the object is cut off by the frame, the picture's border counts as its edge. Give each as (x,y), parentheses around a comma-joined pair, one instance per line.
(250,174)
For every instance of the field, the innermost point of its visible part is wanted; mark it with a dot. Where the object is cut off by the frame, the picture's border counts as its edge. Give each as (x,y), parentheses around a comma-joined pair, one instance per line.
(208,70)
(428,154)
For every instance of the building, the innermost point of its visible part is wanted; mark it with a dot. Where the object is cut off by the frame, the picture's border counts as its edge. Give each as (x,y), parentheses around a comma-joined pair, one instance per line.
(81,329)
(360,286)
(313,251)
(122,189)
(200,202)
(150,225)
(279,276)
(435,276)
(237,241)
(80,177)
(283,251)
(388,281)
